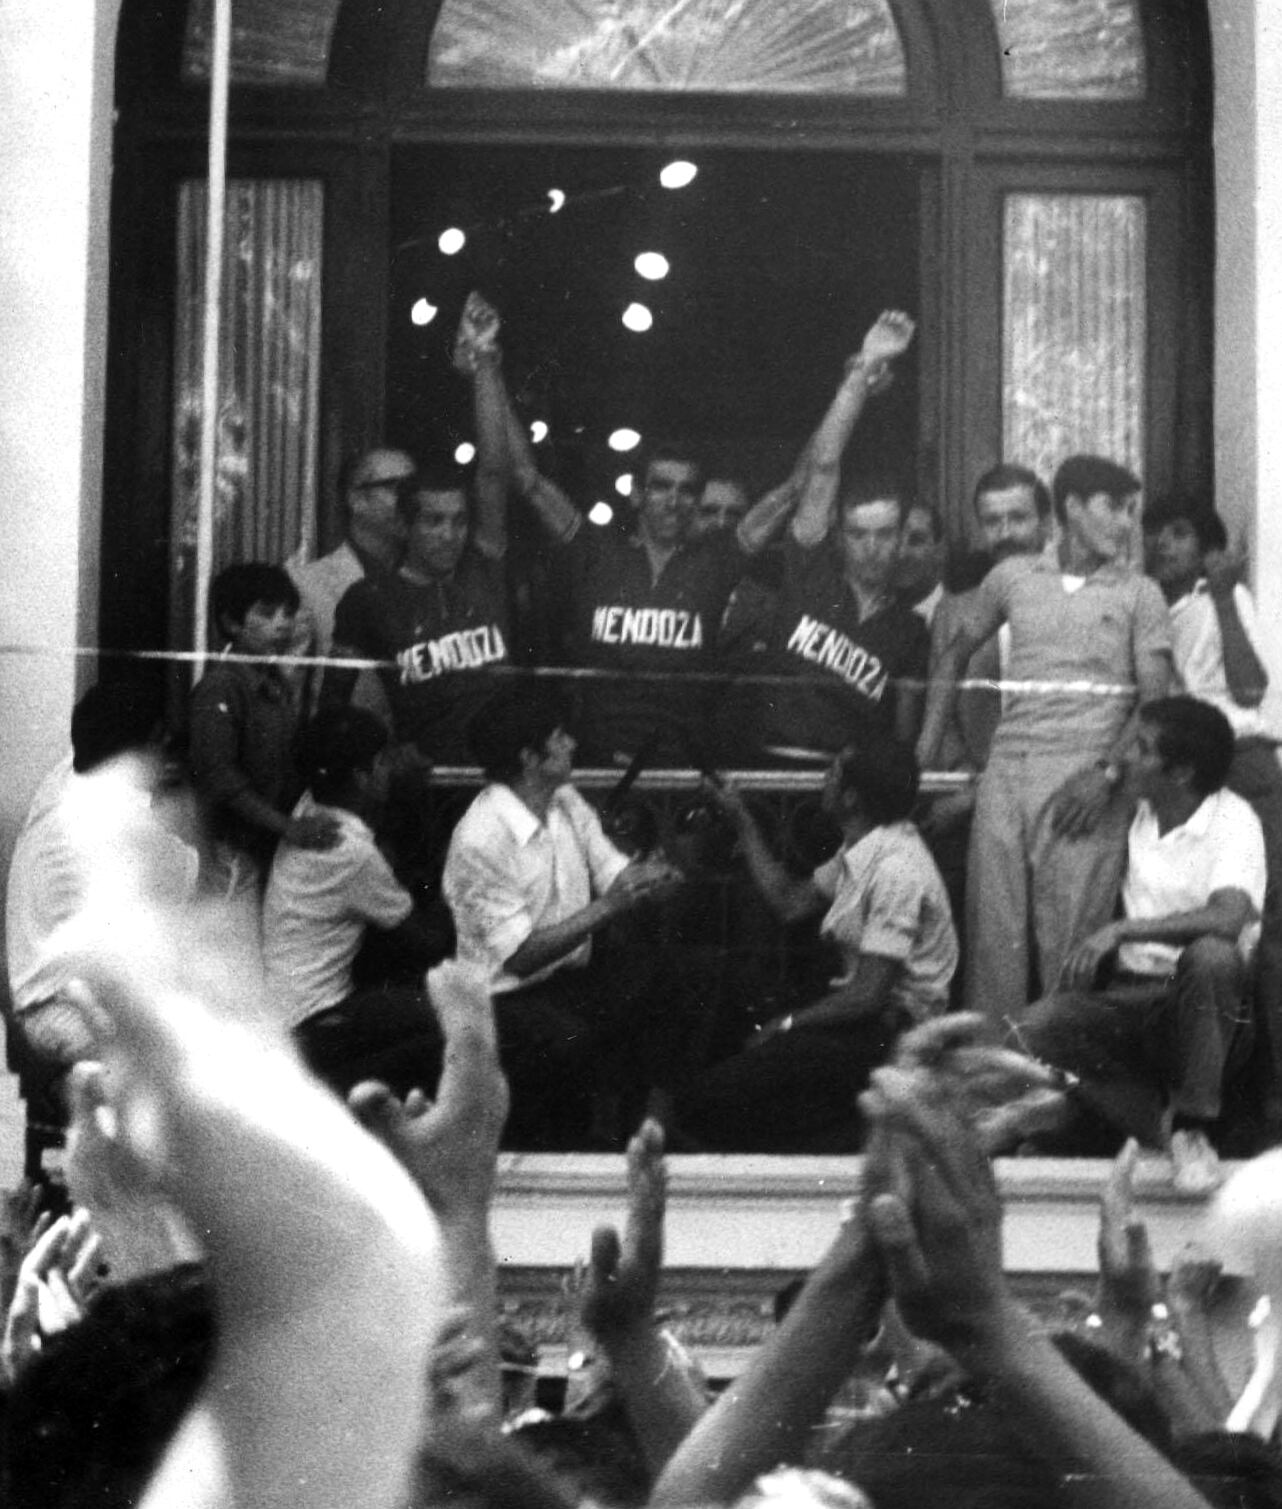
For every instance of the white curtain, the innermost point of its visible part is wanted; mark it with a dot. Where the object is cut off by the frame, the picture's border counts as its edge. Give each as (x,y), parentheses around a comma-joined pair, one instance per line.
(1073,334)
(265,500)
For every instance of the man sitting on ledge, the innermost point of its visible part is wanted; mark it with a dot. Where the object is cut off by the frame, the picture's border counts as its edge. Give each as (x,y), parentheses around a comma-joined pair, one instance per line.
(587,1015)
(1151,1040)
(793,1088)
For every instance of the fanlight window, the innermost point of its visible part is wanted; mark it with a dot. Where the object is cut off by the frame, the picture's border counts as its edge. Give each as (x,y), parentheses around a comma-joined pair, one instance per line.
(827,47)
(1071,49)
(272,41)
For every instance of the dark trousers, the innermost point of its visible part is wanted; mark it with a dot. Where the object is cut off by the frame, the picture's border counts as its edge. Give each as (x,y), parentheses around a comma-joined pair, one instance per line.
(1256,777)
(1142,1046)
(583,1048)
(797,1092)
(385,1032)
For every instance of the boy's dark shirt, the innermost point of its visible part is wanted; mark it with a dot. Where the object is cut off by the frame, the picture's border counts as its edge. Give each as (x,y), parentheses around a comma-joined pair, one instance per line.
(243,721)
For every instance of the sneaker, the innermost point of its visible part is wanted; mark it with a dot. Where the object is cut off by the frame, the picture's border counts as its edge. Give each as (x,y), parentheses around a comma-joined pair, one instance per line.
(1195,1162)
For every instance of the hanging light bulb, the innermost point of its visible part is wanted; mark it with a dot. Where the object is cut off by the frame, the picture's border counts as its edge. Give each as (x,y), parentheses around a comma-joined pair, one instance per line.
(600,512)
(451,241)
(423,312)
(677,174)
(624,440)
(464,453)
(652,265)
(623,484)
(637,317)
(538,432)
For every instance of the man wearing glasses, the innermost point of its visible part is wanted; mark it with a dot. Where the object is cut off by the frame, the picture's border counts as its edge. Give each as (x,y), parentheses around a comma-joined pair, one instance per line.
(373,543)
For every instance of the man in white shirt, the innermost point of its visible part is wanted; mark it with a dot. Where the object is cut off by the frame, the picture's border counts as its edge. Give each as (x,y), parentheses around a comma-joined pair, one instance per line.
(1214,642)
(319,905)
(369,485)
(1151,1041)
(533,883)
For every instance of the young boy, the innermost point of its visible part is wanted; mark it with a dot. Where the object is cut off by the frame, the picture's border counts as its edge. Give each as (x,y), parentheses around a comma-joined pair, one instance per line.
(243,721)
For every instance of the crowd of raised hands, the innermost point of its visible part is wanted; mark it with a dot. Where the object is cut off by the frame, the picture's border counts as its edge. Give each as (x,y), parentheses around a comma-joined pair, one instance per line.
(262,1296)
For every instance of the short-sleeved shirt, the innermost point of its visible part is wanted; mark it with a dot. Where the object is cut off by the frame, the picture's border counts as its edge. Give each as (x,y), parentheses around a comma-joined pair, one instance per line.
(1221,847)
(625,621)
(445,638)
(888,900)
(1074,655)
(1199,654)
(508,874)
(850,665)
(318,904)
(321,585)
(244,716)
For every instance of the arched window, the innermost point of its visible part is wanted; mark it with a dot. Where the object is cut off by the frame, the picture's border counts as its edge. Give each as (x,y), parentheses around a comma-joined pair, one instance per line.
(1071,49)
(273,41)
(758,46)
(1034,174)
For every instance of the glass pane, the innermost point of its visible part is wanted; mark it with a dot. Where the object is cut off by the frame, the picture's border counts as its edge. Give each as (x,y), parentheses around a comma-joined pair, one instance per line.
(1073,329)
(1071,49)
(802,47)
(272,41)
(265,478)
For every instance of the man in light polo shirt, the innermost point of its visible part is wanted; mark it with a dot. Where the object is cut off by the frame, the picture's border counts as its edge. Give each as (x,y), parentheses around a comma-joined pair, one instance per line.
(534,885)
(793,1087)
(1149,1006)
(1090,639)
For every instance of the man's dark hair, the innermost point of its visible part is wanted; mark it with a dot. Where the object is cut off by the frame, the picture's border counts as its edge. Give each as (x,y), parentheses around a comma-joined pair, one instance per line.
(1084,476)
(1000,478)
(514,719)
(669,450)
(1183,507)
(1192,732)
(883,774)
(238,588)
(120,713)
(439,478)
(90,1416)
(337,742)
(876,487)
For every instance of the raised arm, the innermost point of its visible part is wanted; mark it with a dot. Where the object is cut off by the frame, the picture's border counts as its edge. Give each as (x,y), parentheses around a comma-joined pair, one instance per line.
(936,1216)
(888,338)
(789,896)
(450,1149)
(617,1308)
(1243,669)
(767,516)
(317,1243)
(765,1416)
(504,456)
